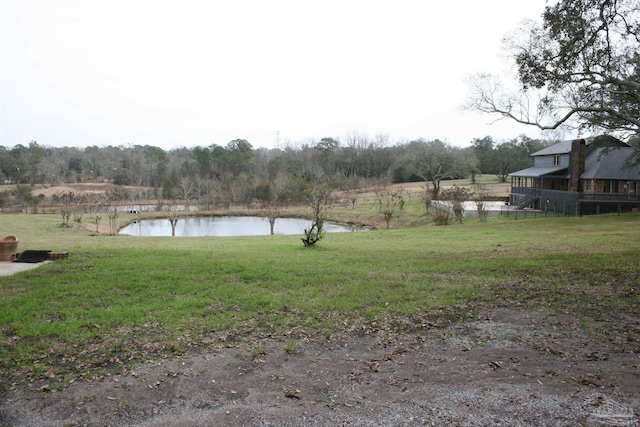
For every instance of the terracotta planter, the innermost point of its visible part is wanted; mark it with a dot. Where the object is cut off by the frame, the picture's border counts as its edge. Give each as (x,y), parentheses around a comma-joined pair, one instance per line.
(8,248)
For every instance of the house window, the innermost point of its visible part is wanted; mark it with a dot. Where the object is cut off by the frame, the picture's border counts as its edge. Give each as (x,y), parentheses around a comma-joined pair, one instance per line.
(610,186)
(588,185)
(556,160)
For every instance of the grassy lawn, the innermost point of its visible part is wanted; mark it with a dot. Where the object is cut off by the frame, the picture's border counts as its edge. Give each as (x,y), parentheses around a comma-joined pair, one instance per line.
(119,299)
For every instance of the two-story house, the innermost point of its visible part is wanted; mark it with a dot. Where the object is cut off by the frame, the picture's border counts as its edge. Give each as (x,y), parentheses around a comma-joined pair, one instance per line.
(580,177)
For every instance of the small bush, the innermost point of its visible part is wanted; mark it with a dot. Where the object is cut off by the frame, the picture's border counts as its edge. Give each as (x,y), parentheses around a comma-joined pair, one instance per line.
(441,216)
(483,213)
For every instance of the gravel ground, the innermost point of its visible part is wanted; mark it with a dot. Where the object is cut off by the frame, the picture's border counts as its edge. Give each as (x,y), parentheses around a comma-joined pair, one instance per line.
(507,367)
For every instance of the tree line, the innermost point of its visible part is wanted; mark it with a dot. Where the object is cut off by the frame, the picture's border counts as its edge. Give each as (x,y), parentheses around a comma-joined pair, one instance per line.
(239,173)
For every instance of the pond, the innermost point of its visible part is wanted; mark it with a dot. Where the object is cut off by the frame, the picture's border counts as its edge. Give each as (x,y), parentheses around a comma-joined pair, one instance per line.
(225,226)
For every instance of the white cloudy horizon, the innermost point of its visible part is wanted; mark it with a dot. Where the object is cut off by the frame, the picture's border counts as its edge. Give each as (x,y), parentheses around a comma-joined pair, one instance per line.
(196,73)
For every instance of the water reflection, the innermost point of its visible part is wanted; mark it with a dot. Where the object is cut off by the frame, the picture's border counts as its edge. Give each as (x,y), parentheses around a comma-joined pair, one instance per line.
(224,226)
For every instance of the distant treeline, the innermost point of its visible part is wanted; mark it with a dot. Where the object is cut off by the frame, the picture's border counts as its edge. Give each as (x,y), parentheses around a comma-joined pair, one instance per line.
(242,173)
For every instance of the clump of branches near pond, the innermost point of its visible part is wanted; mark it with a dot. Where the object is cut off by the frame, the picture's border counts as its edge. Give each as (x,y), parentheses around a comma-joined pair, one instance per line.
(317,197)
(113,221)
(173,215)
(71,203)
(389,202)
(481,193)
(272,210)
(441,216)
(456,196)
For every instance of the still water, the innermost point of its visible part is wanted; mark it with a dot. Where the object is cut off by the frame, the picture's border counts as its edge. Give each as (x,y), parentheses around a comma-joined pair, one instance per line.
(224,226)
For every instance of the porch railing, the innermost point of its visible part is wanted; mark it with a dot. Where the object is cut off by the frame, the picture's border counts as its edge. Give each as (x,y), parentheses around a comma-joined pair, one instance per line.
(528,195)
(521,190)
(608,197)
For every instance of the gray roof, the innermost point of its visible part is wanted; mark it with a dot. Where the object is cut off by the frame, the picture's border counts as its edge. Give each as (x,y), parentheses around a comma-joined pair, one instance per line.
(564,147)
(611,163)
(538,172)
(600,163)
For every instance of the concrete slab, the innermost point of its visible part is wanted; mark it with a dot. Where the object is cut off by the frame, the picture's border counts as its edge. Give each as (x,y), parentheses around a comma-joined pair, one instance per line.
(7,268)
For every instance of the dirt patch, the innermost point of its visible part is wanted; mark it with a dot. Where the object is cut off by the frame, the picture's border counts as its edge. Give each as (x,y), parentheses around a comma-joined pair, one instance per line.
(511,367)
(82,188)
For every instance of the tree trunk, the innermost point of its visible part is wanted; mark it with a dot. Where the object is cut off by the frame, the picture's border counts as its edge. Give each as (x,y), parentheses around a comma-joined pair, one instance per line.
(174,222)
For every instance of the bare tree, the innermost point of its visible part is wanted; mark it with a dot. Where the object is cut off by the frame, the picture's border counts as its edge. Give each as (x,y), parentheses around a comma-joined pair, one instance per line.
(350,188)
(456,196)
(173,215)
(97,218)
(111,202)
(352,195)
(317,198)
(272,206)
(240,190)
(272,210)
(579,69)
(434,161)
(113,221)
(78,206)
(356,144)
(389,201)
(186,190)
(212,189)
(96,203)
(427,197)
(66,199)
(481,194)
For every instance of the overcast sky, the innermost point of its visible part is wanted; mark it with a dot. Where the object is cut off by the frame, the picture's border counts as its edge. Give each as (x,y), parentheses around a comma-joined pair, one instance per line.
(175,73)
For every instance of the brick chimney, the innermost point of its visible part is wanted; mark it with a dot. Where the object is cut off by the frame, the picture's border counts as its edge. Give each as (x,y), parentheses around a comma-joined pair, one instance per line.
(576,164)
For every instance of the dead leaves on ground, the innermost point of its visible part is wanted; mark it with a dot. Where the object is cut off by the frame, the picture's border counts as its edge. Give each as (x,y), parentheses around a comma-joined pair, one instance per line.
(292,393)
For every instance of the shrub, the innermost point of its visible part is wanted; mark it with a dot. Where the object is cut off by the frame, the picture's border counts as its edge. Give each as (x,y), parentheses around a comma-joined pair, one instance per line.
(441,216)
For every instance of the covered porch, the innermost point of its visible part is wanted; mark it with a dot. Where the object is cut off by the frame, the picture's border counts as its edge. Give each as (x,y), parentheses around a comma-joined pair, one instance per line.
(526,184)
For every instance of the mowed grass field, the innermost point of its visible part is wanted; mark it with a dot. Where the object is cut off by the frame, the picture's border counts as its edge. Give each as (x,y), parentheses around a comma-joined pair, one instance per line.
(120,299)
